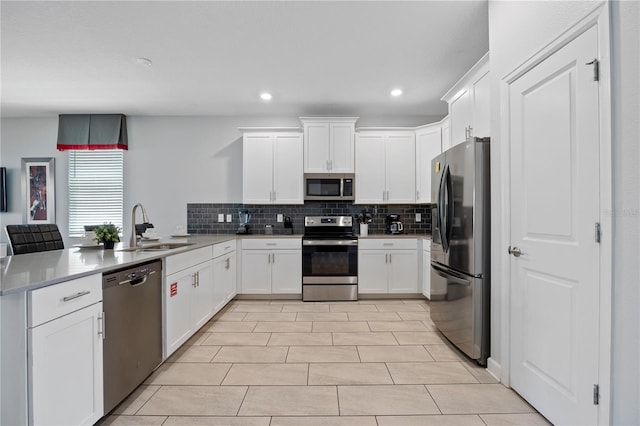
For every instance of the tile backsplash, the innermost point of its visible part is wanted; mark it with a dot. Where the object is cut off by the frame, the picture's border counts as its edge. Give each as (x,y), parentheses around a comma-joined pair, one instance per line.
(203,218)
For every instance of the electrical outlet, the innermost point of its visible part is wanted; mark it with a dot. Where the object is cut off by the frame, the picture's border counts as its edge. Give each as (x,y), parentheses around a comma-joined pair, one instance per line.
(280,218)
(418,217)
(221,217)
(229,218)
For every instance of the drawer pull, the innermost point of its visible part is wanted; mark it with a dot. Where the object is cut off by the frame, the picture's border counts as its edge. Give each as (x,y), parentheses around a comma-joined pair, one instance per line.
(272,244)
(387,244)
(227,248)
(75,296)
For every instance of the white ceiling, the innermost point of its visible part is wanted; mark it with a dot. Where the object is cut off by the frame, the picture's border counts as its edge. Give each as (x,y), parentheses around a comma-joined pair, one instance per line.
(215,58)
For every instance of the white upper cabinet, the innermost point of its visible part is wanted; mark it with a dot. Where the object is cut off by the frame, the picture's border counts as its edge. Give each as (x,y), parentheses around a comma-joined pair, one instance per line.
(446,134)
(385,166)
(329,144)
(469,104)
(272,167)
(428,146)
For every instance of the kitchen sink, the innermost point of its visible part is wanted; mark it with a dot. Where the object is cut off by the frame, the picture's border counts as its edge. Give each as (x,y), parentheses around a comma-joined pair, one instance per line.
(158,247)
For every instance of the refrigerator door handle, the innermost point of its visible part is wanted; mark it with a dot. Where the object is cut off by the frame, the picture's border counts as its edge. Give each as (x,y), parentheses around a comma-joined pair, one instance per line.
(440,217)
(449,209)
(443,213)
(454,276)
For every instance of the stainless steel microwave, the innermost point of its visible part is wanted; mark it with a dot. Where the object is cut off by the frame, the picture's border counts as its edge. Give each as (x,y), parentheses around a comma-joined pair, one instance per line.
(334,186)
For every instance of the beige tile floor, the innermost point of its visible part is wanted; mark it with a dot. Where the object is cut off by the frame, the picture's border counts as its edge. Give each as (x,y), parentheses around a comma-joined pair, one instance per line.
(277,363)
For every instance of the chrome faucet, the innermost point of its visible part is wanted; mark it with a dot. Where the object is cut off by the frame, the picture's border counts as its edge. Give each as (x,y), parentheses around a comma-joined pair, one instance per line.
(133,241)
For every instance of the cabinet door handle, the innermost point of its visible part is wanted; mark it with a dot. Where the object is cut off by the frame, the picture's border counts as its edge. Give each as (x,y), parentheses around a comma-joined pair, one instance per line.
(386,258)
(274,257)
(390,258)
(269,258)
(101,326)
(226,263)
(75,296)
(417,195)
(470,131)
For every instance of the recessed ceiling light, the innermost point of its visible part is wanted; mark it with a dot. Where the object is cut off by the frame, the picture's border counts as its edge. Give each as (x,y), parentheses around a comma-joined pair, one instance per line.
(265,96)
(145,62)
(396,92)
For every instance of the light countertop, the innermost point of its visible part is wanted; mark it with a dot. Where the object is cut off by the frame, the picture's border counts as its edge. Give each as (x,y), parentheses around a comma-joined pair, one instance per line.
(426,236)
(31,271)
(262,235)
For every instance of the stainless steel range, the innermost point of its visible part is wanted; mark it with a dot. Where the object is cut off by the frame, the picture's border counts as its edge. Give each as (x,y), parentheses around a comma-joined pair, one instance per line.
(329,259)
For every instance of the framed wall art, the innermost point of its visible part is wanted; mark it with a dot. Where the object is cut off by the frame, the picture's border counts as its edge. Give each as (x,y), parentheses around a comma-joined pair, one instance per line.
(38,190)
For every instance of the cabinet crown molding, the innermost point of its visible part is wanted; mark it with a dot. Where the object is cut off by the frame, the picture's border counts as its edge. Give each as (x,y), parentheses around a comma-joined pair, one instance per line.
(385,129)
(329,119)
(464,80)
(270,129)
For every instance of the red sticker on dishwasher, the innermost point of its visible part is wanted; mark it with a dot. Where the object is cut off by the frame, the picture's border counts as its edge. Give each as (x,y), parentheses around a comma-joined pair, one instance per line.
(173,289)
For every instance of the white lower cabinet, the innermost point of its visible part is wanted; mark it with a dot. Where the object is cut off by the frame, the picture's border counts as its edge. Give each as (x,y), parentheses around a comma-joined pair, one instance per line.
(387,265)
(426,268)
(271,265)
(65,353)
(224,274)
(188,296)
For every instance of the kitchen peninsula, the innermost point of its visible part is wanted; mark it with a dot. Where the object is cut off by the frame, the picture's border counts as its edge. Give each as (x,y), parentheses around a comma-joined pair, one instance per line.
(53,320)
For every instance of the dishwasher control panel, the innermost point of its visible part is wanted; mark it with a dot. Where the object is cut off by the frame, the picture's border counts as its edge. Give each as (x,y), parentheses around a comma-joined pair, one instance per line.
(131,275)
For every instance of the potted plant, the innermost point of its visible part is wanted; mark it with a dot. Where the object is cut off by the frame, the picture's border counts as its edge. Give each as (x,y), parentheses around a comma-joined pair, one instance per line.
(107,234)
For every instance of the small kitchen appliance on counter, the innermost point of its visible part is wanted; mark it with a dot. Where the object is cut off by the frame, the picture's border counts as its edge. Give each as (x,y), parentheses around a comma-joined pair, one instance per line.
(329,259)
(245,217)
(394,226)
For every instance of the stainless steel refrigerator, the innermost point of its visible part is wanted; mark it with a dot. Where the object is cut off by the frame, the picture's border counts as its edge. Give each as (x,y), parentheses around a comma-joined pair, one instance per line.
(460,246)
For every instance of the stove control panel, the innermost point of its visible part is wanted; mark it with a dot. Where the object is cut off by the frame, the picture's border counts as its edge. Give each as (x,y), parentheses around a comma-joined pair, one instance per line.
(340,221)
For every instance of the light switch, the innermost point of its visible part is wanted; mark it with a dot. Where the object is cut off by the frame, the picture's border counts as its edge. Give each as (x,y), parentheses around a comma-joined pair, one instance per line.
(229,218)
(418,217)
(221,217)
(280,218)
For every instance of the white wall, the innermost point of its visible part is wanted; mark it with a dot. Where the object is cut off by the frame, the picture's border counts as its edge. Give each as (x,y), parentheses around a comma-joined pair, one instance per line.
(626,211)
(30,137)
(516,31)
(171,161)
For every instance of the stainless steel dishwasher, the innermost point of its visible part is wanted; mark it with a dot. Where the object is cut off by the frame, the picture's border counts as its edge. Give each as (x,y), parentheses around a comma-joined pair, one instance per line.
(132,303)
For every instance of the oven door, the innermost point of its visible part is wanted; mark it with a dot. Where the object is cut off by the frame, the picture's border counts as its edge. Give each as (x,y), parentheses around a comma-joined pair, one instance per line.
(330,261)
(329,270)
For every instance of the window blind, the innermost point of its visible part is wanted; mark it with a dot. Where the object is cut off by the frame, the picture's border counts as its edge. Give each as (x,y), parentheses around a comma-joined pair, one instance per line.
(96,189)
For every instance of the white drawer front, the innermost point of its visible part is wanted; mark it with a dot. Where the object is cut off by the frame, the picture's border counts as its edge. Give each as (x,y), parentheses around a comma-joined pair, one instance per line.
(224,248)
(179,262)
(57,300)
(271,243)
(388,243)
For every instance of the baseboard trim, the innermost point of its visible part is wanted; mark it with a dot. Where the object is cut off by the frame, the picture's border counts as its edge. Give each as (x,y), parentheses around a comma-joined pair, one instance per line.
(494,369)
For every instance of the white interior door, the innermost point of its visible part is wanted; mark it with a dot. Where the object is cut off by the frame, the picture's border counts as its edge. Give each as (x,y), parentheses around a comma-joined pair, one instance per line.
(554,132)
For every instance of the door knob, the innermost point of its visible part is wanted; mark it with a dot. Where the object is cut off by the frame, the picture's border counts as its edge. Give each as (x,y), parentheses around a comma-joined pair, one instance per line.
(515,251)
